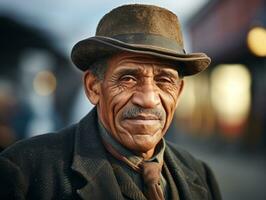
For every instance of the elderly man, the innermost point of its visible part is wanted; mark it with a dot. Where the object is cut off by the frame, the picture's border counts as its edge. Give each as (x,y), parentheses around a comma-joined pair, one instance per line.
(133,74)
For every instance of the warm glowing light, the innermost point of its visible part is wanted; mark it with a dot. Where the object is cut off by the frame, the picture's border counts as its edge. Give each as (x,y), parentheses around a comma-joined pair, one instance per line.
(230,92)
(256,41)
(44,83)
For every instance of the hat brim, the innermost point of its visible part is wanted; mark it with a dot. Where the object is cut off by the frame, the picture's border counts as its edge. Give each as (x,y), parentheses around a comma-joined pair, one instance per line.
(87,51)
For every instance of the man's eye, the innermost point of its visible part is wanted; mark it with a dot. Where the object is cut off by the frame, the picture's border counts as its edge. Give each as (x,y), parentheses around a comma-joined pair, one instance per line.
(128,78)
(163,80)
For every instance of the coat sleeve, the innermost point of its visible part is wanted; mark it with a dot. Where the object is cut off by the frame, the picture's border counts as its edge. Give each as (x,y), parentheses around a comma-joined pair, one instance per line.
(12,183)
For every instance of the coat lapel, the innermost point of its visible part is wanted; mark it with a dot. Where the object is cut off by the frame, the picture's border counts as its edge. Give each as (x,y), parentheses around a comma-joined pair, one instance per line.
(90,162)
(188,183)
(172,192)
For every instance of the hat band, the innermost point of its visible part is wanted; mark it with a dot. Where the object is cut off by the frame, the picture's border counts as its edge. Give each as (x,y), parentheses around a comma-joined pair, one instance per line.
(151,40)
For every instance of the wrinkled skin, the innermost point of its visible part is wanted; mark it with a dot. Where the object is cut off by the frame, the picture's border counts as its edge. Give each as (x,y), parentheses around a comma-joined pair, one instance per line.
(136,100)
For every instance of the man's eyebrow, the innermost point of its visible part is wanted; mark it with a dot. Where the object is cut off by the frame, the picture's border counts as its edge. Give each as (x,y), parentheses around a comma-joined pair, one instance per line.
(170,74)
(128,70)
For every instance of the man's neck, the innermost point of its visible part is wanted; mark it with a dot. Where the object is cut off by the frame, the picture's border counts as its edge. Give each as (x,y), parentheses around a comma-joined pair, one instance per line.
(147,155)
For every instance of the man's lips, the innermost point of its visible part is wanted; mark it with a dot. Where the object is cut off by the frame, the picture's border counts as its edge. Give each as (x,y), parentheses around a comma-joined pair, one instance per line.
(143,117)
(143,120)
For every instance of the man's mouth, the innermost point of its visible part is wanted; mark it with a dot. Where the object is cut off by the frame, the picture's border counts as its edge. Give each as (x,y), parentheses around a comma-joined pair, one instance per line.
(143,120)
(143,117)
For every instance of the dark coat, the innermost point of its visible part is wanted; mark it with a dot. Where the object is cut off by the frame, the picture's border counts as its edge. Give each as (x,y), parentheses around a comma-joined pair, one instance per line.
(72,164)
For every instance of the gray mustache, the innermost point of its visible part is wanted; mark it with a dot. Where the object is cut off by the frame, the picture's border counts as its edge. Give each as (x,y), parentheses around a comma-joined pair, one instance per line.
(135,111)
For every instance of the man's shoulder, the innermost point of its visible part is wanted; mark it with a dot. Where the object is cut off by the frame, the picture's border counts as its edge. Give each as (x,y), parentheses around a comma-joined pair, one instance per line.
(35,162)
(41,145)
(179,151)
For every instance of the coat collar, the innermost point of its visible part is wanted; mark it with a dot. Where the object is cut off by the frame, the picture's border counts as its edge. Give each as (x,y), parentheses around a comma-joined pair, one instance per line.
(89,160)
(103,181)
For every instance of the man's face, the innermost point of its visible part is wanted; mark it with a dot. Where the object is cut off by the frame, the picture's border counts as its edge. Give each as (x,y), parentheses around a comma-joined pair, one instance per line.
(137,100)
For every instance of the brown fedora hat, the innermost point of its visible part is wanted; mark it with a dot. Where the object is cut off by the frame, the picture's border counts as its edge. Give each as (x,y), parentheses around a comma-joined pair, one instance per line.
(143,29)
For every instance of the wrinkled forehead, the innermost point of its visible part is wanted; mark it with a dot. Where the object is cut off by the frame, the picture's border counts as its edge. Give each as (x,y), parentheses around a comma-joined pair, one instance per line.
(133,59)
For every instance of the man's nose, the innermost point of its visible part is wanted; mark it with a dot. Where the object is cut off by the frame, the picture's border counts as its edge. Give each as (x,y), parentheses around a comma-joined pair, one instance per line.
(146,96)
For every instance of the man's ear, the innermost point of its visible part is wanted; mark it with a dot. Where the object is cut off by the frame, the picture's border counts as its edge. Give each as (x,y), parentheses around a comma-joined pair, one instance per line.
(180,90)
(92,87)
(181,86)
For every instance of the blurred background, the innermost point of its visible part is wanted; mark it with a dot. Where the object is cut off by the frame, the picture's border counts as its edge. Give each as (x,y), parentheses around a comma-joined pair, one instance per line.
(222,114)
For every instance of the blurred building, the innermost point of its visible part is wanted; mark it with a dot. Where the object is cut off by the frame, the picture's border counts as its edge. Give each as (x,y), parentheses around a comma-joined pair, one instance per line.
(37,82)
(228,101)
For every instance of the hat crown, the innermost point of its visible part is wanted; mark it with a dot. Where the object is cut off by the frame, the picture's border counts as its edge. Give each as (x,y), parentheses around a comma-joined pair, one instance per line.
(141,19)
(140,29)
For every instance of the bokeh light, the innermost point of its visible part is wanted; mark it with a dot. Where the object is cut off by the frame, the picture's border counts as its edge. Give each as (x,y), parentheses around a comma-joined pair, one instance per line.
(230,93)
(44,83)
(256,40)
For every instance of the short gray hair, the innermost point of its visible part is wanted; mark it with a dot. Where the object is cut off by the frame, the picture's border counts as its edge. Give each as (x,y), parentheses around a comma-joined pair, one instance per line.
(99,67)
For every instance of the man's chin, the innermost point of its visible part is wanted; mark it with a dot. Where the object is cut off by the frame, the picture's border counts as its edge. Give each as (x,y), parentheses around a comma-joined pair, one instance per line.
(141,127)
(144,143)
